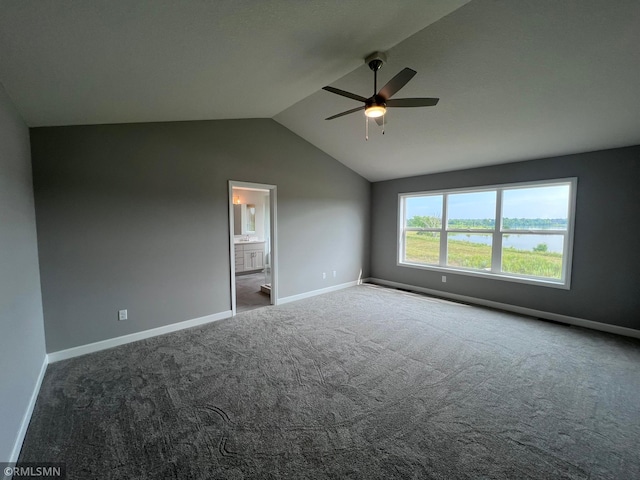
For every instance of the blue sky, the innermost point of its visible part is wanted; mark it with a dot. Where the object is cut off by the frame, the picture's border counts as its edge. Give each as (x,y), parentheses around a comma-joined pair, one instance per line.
(539,202)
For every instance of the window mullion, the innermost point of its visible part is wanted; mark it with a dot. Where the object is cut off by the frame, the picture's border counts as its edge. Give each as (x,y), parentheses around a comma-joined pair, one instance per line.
(402,241)
(443,230)
(496,244)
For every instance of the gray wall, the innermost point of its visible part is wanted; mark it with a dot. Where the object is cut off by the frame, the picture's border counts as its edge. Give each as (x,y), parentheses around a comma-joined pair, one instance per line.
(22,351)
(605,282)
(135,216)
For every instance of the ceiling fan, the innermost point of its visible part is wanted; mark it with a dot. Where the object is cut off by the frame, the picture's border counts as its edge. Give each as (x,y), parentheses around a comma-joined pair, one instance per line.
(376,105)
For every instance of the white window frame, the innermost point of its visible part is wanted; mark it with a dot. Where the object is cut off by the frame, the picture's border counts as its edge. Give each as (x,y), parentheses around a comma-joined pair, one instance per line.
(497,232)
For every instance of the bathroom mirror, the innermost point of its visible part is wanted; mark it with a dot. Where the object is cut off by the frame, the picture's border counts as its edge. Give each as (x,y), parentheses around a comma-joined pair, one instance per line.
(250,216)
(244,219)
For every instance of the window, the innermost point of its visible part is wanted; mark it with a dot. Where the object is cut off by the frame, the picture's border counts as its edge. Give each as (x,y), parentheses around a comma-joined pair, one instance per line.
(519,232)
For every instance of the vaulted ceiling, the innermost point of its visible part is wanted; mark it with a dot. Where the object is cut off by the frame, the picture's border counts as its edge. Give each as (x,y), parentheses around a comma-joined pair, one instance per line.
(517,79)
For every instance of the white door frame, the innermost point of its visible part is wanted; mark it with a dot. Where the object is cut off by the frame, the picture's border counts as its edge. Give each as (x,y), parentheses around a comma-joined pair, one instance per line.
(274,239)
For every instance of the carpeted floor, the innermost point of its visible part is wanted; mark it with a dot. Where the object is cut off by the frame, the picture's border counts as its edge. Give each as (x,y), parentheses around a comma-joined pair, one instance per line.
(360,383)
(248,293)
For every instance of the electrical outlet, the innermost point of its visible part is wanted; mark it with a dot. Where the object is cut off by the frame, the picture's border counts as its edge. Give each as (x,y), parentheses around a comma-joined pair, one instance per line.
(324,275)
(122,315)
(334,274)
(444,279)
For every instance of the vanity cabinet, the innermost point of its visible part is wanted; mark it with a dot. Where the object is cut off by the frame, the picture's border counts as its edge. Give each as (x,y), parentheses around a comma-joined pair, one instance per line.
(249,256)
(254,260)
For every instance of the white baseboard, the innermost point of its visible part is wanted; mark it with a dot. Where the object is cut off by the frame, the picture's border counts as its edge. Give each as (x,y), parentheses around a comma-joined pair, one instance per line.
(134,337)
(313,293)
(17,446)
(579,322)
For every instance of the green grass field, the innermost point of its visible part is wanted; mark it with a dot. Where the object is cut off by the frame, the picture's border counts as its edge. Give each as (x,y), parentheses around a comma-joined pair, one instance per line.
(426,248)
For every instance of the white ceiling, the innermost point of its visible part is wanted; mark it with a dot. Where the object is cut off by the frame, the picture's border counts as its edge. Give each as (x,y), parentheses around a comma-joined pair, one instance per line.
(517,79)
(66,62)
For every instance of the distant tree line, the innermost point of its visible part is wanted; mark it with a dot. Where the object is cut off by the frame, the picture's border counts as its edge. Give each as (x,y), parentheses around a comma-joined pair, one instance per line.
(535,223)
(419,221)
(424,222)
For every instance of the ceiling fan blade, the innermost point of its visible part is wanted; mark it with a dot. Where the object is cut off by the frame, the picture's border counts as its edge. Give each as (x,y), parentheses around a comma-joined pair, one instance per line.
(396,83)
(412,102)
(337,91)
(353,110)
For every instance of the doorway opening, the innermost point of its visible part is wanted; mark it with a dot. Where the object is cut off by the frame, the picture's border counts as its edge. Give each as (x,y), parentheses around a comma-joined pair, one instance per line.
(253,256)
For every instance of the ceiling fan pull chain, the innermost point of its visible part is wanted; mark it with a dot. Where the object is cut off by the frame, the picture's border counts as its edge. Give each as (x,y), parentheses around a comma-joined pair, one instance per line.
(383,123)
(366,127)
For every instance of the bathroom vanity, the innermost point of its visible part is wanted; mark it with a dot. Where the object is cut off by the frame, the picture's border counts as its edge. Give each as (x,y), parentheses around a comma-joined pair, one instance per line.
(249,256)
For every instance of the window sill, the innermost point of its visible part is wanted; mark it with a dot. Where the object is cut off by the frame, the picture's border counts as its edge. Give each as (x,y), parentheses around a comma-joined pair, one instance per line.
(537,281)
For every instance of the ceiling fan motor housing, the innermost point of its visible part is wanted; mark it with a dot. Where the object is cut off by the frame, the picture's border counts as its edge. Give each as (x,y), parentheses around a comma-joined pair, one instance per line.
(376,100)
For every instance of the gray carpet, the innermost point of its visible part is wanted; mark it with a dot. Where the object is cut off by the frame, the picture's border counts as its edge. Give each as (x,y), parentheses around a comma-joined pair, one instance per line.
(361,383)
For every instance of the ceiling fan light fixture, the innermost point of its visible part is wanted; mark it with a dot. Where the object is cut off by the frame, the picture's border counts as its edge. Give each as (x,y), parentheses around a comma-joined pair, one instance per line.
(374,111)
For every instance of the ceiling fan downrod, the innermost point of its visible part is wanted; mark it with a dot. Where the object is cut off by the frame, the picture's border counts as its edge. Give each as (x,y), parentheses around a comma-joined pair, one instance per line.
(375,65)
